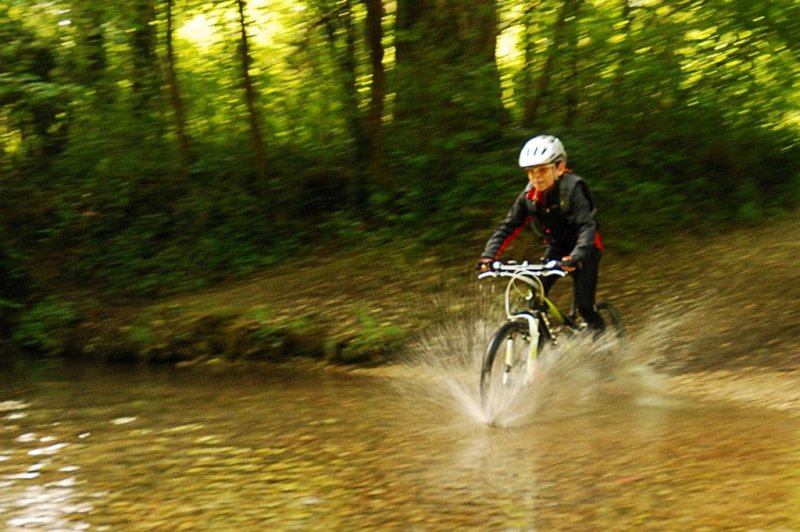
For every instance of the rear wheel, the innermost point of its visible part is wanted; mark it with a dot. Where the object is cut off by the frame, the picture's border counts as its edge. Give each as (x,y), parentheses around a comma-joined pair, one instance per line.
(612,348)
(505,365)
(613,319)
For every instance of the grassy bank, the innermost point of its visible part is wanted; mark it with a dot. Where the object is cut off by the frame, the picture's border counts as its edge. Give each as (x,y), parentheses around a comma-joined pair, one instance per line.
(365,306)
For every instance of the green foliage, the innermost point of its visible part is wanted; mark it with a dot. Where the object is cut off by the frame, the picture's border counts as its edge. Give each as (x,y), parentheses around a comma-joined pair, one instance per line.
(42,326)
(15,284)
(679,115)
(376,341)
(141,334)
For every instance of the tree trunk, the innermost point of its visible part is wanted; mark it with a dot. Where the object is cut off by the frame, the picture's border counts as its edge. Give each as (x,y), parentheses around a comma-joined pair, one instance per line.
(567,16)
(93,60)
(342,18)
(573,83)
(176,100)
(447,68)
(145,64)
(448,104)
(446,53)
(625,52)
(378,171)
(409,53)
(259,152)
(480,33)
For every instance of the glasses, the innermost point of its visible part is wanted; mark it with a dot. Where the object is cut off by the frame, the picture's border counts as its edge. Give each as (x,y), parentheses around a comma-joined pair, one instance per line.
(540,171)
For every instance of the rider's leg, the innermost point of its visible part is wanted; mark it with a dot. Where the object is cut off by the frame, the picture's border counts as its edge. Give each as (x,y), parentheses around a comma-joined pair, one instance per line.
(547,283)
(585,279)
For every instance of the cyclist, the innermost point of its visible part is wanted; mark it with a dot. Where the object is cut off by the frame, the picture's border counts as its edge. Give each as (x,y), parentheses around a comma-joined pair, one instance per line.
(562,211)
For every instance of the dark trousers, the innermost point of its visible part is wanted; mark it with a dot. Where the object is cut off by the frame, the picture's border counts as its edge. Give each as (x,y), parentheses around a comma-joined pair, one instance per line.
(585,287)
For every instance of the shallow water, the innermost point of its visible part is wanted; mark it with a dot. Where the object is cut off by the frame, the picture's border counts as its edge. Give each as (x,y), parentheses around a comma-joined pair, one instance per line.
(268,448)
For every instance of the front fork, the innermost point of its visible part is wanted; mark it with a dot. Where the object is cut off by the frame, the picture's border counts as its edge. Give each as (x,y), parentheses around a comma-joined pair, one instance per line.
(530,360)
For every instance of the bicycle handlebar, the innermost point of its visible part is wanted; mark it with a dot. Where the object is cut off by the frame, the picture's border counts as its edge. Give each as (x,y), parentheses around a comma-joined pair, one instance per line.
(532,269)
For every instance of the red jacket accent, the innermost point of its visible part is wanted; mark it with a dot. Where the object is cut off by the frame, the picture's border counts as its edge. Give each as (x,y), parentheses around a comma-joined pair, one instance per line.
(598,241)
(510,238)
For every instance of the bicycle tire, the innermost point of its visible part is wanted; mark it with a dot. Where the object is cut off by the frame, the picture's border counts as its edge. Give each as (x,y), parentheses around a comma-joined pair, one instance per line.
(613,319)
(494,361)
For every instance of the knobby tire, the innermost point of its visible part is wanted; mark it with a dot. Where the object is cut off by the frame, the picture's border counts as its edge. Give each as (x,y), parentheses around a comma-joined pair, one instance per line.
(613,319)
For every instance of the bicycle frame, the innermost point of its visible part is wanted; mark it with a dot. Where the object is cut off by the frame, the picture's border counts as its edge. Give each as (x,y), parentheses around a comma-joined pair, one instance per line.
(538,320)
(529,274)
(541,308)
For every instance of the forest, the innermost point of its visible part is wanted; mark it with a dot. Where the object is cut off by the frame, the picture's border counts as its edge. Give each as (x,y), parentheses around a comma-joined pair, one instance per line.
(152,147)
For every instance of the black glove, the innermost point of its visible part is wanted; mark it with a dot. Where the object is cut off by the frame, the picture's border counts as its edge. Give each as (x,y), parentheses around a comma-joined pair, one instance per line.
(569,263)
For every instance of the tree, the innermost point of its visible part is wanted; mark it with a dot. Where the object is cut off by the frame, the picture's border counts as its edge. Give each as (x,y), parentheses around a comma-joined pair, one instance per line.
(448,102)
(563,31)
(338,21)
(375,131)
(175,97)
(91,57)
(258,179)
(447,65)
(32,102)
(299,107)
(146,76)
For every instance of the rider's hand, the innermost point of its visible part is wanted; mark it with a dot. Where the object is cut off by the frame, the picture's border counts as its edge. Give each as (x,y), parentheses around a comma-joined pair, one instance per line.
(568,264)
(484,264)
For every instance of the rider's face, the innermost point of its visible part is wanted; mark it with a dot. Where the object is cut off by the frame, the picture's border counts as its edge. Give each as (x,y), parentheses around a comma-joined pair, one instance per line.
(543,176)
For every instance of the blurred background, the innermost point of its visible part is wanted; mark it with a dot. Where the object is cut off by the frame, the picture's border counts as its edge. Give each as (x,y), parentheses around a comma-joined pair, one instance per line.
(155,146)
(189,180)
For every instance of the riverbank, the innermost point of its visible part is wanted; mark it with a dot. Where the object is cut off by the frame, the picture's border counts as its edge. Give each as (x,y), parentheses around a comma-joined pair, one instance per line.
(727,304)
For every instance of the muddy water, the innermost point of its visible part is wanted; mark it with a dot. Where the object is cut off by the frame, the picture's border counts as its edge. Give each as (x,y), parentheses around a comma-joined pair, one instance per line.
(269,448)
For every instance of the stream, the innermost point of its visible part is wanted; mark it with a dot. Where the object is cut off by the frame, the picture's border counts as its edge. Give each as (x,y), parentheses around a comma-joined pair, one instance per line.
(268,447)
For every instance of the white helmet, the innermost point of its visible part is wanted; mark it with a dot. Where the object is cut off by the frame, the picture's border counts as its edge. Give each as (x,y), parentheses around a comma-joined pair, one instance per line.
(544,149)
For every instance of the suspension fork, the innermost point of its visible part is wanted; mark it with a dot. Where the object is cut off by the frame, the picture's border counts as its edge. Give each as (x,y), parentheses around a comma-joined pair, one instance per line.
(533,353)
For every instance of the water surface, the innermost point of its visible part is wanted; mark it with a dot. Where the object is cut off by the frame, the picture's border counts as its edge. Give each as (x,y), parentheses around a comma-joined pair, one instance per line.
(268,448)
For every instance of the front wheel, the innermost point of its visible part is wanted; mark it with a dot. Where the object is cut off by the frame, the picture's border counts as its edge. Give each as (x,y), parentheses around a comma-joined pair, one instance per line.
(508,358)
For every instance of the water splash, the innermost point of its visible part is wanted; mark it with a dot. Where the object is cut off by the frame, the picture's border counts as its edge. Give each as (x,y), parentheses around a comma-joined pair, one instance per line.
(443,368)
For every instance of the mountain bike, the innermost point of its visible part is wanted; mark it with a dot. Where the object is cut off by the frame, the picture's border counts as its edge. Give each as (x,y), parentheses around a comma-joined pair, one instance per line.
(533,321)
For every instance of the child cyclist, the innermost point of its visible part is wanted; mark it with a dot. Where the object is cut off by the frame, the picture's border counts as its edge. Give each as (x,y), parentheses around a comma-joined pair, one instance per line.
(561,210)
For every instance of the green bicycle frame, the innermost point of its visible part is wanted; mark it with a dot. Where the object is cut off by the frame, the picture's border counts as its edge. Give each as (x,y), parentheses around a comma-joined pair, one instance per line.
(545,307)
(555,311)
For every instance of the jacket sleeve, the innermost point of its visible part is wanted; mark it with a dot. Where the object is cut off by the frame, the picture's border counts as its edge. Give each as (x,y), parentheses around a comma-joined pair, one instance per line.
(507,231)
(584,219)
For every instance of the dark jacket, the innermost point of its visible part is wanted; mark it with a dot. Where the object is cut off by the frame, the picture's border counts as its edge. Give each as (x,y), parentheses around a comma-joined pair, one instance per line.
(567,227)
